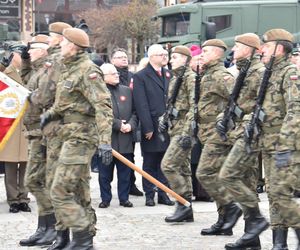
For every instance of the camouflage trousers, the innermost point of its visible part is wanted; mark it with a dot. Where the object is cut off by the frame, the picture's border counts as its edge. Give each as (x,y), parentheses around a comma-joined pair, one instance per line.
(211,161)
(239,175)
(70,190)
(35,176)
(176,167)
(284,210)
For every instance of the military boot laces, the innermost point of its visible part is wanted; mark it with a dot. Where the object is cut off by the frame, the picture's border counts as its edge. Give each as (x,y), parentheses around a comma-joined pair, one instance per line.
(216,229)
(39,233)
(181,214)
(280,238)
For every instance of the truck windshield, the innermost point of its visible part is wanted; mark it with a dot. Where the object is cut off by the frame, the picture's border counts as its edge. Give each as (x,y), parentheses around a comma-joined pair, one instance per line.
(176,25)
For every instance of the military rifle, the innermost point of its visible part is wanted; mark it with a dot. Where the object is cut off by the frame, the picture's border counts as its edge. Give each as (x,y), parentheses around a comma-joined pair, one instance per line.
(259,116)
(171,112)
(194,125)
(232,110)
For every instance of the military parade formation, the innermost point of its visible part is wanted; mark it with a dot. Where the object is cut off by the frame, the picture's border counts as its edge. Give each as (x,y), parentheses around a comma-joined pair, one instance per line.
(233,114)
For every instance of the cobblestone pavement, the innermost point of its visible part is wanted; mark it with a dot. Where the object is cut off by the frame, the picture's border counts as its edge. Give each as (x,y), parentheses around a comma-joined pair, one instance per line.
(137,228)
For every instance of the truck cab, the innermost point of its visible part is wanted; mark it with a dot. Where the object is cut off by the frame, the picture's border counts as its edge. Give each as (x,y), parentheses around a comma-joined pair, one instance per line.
(193,23)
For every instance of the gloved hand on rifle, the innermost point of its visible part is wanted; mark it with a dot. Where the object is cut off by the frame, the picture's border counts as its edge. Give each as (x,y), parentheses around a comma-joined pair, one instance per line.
(185,142)
(7,60)
(162,125)
(221,128)
(105,152)
(283,159)
(25,54)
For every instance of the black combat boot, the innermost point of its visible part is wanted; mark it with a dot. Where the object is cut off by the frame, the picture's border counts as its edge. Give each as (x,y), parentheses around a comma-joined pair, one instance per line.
(39,233)
(242,244)
(82,240)
(216,229)
(50,233)
(231,216)
(279,239)
(182,213)
(61,241)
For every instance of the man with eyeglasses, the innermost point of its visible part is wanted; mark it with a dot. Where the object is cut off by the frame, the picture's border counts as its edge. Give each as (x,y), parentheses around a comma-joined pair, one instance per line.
(119,59)
(124,123)
(150,90)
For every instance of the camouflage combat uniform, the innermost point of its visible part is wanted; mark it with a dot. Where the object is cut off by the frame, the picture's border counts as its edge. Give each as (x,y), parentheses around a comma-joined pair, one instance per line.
(33,76)
(176,161)
(239,173)
(83,103)
(214,93)
(281,132)
(44,96)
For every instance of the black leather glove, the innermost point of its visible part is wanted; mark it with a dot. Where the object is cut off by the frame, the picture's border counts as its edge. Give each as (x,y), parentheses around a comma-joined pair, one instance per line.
(162,126)
(45,119)
(283,158)
(7,60)
(25,54)
(185,142)
(105,152)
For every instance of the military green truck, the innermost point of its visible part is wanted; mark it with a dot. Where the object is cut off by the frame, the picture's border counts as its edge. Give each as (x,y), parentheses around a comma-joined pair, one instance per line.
(195,22)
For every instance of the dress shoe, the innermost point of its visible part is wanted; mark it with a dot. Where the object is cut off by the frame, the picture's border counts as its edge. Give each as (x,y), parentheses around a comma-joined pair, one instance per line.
(165,200)
(126,203)
(14,208)
(104,204)
(135,191)
(24,207)
(150,202)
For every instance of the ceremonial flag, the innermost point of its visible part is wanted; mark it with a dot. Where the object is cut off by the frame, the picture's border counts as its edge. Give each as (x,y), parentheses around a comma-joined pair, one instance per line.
(13,103)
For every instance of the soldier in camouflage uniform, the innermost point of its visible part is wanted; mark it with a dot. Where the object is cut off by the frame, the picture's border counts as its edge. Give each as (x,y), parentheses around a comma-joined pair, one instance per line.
(33,76)
(44,97)
(176,161)
(214,93)
(83,104)
(239,173)
(280,136)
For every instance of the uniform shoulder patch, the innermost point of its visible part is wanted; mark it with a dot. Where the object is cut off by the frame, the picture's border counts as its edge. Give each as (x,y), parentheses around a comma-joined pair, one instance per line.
(93,76)
(294,77)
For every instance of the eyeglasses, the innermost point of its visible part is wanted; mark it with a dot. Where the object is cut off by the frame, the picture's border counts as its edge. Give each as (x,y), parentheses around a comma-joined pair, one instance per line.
(113,74)
(120,57)
(162,55)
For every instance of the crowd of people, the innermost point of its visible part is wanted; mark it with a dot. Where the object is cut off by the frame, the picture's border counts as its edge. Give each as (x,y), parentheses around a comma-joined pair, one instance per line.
(201,126)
